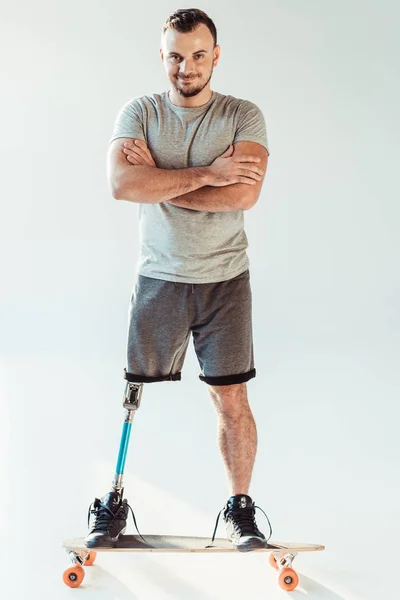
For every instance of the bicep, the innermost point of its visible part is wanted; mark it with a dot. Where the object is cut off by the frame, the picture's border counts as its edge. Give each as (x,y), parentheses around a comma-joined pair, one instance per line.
(117,164)
(254,149)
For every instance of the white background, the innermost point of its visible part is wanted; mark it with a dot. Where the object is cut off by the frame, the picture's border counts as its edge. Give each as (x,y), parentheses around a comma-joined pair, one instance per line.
(324,252)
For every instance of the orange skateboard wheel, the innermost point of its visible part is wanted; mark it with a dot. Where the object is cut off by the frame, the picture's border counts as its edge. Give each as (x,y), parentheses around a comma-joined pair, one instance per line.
(91,558)
(272,561)
(288,579)
(74,576)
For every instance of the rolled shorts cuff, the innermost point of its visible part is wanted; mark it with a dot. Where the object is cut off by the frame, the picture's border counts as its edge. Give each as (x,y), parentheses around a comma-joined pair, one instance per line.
(229,379)
(132,378)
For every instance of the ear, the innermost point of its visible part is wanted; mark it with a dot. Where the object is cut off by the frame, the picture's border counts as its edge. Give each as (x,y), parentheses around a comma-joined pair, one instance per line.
(162,54)
(217,54)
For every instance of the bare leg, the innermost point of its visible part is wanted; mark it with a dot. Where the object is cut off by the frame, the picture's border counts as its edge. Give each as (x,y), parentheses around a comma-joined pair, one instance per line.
(237,434)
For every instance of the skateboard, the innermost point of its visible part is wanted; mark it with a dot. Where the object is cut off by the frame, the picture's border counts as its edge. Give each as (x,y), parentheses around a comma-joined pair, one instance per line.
(281,555)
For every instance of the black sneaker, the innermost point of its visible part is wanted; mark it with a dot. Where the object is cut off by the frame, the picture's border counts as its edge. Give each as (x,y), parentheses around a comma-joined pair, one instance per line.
(241,527)
(109,521)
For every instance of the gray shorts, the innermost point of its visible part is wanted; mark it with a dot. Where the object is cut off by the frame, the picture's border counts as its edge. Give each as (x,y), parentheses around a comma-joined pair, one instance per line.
(163,315)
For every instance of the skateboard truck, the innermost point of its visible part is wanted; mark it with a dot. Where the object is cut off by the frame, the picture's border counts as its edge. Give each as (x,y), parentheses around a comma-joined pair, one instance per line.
(131,402)
(285,560)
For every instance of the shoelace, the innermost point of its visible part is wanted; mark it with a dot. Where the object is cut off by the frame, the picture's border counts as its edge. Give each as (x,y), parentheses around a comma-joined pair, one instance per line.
(246,517)
(102,515)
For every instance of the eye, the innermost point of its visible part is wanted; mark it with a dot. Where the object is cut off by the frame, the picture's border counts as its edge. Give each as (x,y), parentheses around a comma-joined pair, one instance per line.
(198,56)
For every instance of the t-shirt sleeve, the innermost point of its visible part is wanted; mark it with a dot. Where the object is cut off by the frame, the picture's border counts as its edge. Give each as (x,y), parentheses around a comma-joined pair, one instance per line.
(251,125)
(129,122)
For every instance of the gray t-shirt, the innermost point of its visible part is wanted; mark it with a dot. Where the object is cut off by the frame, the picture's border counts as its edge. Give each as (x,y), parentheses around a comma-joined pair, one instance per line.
(179,244)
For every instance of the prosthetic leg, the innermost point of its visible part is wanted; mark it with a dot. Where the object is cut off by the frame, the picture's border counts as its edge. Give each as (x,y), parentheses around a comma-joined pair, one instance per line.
(107,516)
(131,402)
(109,513)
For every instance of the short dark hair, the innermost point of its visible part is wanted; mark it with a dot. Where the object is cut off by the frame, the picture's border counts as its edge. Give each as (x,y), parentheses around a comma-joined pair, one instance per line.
(185,20)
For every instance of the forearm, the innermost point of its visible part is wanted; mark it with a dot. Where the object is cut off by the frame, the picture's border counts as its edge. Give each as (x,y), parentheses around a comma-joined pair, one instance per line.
(151,185)
(214,199)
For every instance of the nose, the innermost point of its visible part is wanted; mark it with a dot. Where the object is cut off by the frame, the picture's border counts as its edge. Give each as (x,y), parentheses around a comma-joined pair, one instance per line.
(186,68)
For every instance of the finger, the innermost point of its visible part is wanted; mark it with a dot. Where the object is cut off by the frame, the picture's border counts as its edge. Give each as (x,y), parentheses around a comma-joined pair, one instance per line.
(141,151)
(141,160)
(137,151)
(131,151)
(133,160)
(246,158)
(256,170)
(247,181)
(253,168)
(249,174)
(133,143)
(133,147)
(229,151)
(144,154)
(141,146)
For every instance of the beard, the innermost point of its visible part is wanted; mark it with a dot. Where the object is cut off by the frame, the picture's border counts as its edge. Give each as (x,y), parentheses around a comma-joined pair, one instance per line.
(191,89)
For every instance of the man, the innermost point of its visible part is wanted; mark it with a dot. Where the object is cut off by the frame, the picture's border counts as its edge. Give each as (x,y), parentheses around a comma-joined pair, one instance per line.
(194,160)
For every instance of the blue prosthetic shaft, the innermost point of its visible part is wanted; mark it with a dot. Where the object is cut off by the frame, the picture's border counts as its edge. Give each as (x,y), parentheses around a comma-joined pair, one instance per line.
(123,448)
(132,397)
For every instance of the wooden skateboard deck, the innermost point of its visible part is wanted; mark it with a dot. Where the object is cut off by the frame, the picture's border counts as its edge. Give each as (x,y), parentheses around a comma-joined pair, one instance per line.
(281,557)
(174,543)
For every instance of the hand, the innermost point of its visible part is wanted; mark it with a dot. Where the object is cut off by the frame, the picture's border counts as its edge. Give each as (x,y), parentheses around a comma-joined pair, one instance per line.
(137,153)
(230,168)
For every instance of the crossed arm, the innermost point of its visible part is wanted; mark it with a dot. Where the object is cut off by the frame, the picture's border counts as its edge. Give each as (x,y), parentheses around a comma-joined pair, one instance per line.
(215,199)
(207,197)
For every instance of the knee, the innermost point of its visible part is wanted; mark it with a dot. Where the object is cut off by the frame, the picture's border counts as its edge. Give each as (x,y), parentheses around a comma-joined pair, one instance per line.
(230,400)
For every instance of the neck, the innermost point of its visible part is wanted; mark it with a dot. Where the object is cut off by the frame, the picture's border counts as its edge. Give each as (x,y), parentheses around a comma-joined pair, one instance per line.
(193,102)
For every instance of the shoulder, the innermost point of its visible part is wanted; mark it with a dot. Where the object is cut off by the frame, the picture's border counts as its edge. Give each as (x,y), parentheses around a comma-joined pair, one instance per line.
(248,106)
(235,104)
(144,102)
